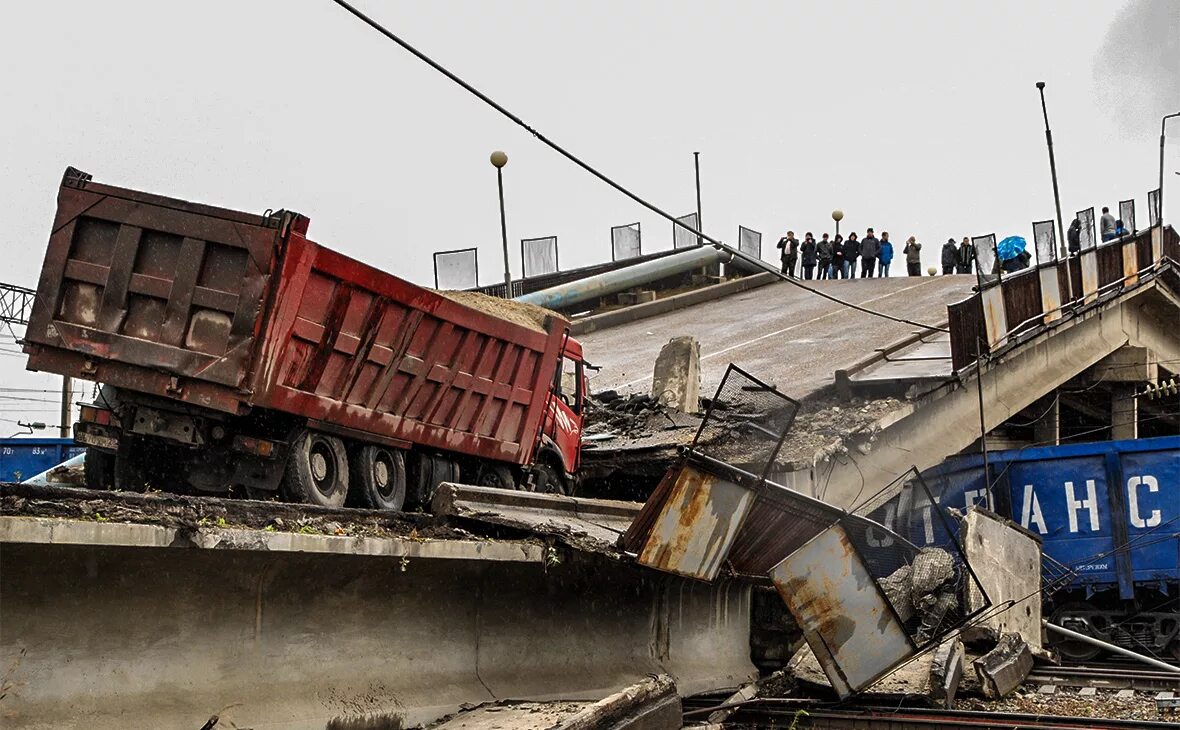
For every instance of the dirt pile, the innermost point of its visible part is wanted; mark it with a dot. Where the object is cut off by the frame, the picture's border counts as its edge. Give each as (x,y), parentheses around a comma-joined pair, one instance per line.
(526,315)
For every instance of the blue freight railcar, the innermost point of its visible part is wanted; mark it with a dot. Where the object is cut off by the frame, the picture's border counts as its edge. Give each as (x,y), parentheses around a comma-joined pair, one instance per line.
(21,458)
(1109,510)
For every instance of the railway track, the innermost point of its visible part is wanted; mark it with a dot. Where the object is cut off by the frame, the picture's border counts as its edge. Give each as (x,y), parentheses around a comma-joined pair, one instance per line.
(1105,677)
(760,715)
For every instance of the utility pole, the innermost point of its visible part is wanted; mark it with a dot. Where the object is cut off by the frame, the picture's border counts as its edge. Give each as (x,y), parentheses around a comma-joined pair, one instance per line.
(1053,171)
(16,302)
(700,225)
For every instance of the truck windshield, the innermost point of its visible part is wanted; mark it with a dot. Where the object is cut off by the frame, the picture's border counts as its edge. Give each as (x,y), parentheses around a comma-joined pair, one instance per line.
(569,384)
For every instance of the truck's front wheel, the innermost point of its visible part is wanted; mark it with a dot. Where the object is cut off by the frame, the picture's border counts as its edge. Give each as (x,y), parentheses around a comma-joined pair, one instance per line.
(317,471)
(380,474)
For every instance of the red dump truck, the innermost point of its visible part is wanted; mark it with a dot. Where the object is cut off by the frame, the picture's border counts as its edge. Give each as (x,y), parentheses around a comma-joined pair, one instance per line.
(238,355)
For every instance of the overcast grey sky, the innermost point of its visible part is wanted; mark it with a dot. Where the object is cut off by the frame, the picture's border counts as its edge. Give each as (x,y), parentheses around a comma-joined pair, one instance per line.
(920,118)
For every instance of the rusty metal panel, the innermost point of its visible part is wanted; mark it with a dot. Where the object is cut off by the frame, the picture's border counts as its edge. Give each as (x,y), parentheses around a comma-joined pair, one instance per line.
(696,525)
(1022,300)
(845,617)
(351,345)
(1130,263)
(995,319)
(1110,264)
(965,322)
(780,522)
(1088,262)
(157,283)
(1050,292)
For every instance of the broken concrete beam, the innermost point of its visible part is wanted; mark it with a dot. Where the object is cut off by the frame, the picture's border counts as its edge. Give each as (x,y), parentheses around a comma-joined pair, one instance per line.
(1006,560)
(946,669)
(631,298)
(1002,669)
(652,704)
(676,381)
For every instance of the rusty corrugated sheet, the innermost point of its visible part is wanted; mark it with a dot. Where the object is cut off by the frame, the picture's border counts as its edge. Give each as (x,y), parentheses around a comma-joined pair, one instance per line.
(780,522)
(965,322)
(1110,263)
(1022,299)
(696,525)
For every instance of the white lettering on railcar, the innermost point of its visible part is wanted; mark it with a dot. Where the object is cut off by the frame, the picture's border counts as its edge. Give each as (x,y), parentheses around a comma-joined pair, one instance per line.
(1031,514)
(1153,486)
(1090,504)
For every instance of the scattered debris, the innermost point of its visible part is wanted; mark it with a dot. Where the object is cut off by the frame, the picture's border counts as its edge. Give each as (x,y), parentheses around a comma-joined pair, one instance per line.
(946,670)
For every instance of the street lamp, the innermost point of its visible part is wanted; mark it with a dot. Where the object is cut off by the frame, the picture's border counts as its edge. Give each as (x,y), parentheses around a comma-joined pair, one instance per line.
(499,159)
(1159,201)
(837,215)
(1052,170)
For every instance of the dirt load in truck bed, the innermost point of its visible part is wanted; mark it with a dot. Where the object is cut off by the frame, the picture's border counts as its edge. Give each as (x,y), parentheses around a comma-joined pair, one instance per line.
(526,315)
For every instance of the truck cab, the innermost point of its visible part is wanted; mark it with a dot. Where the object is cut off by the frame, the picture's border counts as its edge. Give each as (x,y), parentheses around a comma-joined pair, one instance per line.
(561,437)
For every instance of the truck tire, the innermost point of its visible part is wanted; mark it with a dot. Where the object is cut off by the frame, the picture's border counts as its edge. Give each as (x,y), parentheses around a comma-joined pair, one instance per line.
(430,470)
(99,469)
(317,471)
(380,476)
(548,480)
(497,476)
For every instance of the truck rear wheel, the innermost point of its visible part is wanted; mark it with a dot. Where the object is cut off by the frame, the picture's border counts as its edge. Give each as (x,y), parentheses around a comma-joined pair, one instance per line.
(497,476)
(99,469)
(430,470)
(380,474)
(317,471)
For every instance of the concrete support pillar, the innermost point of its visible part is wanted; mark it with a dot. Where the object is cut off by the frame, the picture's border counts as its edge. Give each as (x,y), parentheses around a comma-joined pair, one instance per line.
(1047,428)
(676,381)
(1124,412)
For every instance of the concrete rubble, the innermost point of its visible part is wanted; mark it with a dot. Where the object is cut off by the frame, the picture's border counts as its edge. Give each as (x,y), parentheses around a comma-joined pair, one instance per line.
(676,381)
(1004,668)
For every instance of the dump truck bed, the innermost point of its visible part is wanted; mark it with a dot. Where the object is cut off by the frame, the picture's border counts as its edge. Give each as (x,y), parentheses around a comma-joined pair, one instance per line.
(231,311)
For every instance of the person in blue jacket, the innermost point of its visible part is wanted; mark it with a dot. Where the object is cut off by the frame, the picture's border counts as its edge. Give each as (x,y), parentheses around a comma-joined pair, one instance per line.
(1120,230)
(885,255)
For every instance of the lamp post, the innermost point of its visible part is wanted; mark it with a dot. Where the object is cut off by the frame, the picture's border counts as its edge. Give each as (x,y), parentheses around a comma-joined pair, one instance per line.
(499,159)
(696,161)
(1159,201)
(837,215)
(1052,170)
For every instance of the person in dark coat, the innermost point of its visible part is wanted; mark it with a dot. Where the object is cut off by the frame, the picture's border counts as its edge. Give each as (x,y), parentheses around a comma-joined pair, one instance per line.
(851,254)
(838,266)
(1016,263)
(807,251)
(1074,236)
(950,257)
(870,247)
(823,254)
(966,262)
(913,256)
(789,245)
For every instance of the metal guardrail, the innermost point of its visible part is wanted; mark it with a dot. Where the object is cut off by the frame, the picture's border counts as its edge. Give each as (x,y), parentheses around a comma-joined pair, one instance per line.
(1022,303)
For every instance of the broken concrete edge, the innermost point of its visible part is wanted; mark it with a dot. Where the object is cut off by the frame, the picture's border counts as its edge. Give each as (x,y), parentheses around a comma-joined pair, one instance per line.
(449,494)
(62,531)
(648,699)
(843,376)
(637,312)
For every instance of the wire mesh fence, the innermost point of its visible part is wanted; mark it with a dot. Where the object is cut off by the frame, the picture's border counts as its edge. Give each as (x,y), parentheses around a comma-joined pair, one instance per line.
(1087,239)
(745,423)
(912,549)
(1153,207)
(457,269)
(538,256)
(625,242)
(1045,241)
(684,237)
(750,242)
(1127,214)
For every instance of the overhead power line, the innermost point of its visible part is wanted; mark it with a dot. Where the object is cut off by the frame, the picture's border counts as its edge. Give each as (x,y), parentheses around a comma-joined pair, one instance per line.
(585,166)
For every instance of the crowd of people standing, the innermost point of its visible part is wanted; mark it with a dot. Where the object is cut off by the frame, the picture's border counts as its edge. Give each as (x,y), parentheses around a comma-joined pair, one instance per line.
(839,258)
